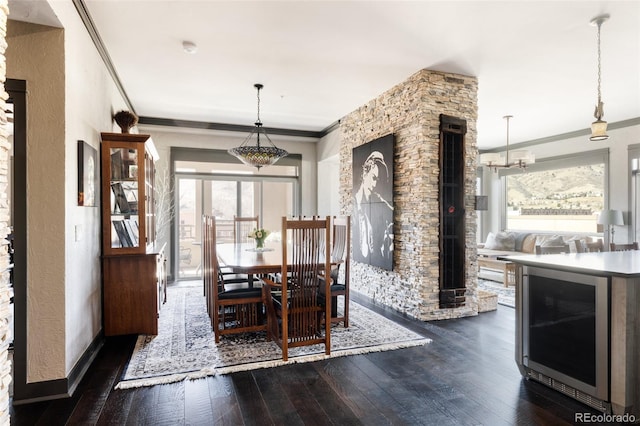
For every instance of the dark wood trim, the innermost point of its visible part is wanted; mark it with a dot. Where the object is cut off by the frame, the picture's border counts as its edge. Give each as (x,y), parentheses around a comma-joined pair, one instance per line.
(240,128)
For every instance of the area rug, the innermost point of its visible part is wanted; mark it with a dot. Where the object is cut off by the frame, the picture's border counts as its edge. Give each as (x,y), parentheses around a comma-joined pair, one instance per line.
(185,347)
(506,296)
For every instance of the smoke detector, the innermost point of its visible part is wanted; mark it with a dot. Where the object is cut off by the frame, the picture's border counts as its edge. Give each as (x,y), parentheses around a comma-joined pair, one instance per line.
(189,47)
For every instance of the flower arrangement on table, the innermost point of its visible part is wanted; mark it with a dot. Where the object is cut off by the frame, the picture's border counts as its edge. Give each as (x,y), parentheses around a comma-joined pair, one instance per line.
(259,235)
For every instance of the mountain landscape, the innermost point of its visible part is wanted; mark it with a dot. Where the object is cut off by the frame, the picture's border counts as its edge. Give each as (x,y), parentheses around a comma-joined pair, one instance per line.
(564,190)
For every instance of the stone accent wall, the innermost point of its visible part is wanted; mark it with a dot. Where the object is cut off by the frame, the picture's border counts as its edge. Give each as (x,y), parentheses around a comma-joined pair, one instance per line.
(411,110)
(5,290)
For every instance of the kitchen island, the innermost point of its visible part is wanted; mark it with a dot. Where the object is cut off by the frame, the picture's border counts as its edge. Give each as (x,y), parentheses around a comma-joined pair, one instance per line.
(578,326)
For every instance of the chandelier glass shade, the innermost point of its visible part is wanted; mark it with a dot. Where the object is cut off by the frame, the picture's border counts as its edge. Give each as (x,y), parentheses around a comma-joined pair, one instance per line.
(519,158)
(599,127)
(258,155)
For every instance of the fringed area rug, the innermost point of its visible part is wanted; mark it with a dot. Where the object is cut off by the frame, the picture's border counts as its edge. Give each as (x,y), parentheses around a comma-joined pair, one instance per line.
(185,347)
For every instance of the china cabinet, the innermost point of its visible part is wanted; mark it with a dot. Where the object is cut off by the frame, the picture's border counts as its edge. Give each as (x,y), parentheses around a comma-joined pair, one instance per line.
(134,277)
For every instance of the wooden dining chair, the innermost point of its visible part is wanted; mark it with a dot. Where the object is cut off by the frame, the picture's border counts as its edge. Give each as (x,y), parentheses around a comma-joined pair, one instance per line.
(552,249)
(295,308)
(624,247)
(242,226)
(340,260)
(231,310)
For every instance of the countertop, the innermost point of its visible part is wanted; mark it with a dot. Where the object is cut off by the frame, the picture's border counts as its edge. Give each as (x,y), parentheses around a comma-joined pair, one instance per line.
(617,263)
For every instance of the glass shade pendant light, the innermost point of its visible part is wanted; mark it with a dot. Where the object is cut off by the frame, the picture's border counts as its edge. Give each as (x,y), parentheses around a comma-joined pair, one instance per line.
(599,127)
(258,155)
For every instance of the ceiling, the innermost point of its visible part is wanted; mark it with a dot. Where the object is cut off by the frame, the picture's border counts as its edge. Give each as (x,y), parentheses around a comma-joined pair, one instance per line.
(320,60)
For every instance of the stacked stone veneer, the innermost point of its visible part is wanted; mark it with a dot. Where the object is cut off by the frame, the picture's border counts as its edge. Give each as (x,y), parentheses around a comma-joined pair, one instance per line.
(5,290)
(411,110)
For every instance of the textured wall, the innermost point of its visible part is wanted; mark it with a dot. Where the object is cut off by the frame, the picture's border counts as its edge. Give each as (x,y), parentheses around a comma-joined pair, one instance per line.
(35,53)
(411,110)
(5,292)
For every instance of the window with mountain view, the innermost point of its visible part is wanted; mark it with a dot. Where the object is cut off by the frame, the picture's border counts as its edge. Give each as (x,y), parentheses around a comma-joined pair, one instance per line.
(556,200)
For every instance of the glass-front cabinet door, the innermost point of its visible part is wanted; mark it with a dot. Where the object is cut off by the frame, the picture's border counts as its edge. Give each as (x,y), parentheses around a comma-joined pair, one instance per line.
(126,193)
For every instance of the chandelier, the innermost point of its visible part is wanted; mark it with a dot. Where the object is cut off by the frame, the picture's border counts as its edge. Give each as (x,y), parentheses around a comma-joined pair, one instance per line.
(520,158)
(258,155)
(599,127)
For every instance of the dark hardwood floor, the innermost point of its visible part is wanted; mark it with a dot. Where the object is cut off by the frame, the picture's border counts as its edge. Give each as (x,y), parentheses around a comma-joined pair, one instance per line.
(466,376)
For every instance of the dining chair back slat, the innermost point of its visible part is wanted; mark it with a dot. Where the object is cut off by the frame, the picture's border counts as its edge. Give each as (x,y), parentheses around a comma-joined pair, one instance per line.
(242,227)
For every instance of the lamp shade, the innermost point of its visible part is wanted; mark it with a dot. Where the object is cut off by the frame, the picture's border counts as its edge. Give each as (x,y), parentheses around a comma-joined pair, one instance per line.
(610,217)
(491,158)
(599,131)
(522,155)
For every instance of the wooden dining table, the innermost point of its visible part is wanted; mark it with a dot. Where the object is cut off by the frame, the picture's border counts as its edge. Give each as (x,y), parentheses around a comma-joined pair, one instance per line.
(243,258)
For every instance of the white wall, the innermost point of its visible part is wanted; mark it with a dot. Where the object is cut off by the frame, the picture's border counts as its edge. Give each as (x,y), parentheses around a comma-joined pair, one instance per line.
(619,178)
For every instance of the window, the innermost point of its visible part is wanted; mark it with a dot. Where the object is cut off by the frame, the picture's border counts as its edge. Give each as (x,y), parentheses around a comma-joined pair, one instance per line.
(563,194)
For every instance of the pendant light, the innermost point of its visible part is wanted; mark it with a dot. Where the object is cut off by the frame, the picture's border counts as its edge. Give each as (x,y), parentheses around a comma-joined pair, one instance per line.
(520,158)
(599,127)
(258,155)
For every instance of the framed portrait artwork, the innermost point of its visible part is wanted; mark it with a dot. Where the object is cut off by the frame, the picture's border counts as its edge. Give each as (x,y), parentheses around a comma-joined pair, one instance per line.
(372,220)
(87,174)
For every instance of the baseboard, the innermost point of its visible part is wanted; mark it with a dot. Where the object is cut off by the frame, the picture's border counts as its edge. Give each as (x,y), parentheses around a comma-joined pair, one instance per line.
(85,361)
(59,388)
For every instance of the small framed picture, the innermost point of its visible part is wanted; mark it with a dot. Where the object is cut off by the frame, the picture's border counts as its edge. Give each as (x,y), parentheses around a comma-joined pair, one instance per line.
(133,171)
(88,179)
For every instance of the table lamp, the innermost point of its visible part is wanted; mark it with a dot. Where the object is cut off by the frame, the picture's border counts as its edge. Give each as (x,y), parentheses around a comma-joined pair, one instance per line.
(611,218)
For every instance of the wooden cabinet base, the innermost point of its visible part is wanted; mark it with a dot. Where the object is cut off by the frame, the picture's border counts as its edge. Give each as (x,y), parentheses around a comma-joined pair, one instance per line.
(131,294)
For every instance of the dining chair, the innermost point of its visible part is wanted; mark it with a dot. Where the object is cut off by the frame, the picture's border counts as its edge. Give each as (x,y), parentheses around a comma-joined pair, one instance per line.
(552,249)
(295,308)
(242,226)
(624,247)
(593,246)
(340,260)
(231,310)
